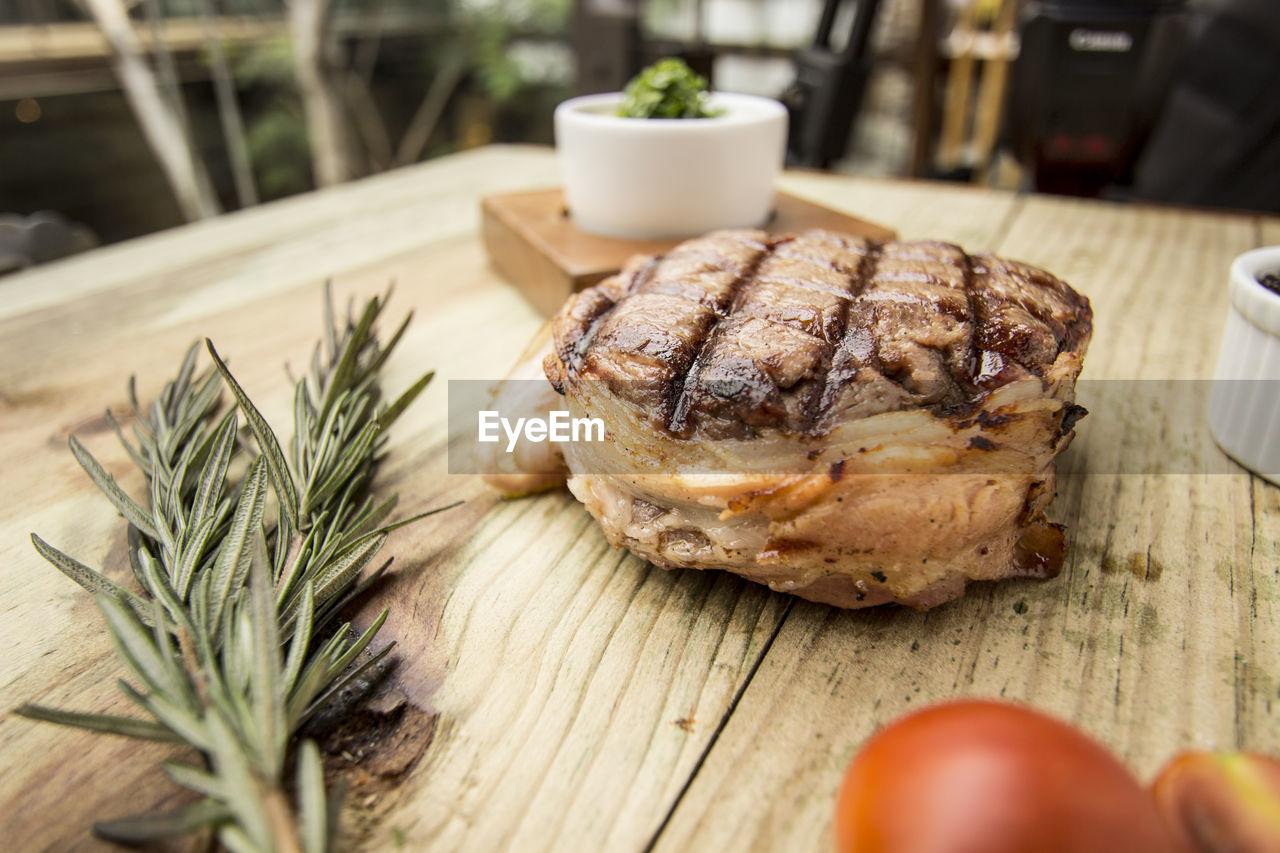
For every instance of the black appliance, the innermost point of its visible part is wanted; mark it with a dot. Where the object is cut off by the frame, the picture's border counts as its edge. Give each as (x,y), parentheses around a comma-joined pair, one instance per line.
(607,44)
(831,77)
(1088,84)
(1217,142)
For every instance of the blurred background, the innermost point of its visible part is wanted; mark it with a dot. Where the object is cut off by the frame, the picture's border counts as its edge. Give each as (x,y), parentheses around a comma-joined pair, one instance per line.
(123,117)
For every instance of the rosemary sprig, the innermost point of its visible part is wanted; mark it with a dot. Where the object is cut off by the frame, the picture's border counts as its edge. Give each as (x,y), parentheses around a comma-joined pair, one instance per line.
(230,642)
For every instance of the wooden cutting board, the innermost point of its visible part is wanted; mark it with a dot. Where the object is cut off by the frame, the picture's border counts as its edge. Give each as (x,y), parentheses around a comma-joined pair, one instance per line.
(534,244)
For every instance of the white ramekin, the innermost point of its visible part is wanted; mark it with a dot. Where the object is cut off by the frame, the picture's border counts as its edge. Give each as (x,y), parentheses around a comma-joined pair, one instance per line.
(669,178)
(1244,407)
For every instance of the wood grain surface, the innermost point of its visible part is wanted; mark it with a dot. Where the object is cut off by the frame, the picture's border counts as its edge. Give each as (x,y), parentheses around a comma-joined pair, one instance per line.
(578,698)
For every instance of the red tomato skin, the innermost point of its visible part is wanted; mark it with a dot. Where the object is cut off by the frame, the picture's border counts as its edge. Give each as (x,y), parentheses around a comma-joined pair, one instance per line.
(1222,801)
(977,776)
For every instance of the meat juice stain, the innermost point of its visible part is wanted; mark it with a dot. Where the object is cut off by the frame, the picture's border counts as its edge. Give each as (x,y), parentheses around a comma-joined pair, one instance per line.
(1145,567)
(1150,630)
(1146,625)
(1141,565)
(1257,683)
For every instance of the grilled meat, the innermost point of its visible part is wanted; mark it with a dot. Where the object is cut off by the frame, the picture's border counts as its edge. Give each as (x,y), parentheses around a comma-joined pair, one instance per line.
(850,421)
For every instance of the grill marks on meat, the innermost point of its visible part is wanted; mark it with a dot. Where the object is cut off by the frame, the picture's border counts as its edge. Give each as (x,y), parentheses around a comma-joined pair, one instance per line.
(766,362)
(909,334)
(1025,318)
(739,330)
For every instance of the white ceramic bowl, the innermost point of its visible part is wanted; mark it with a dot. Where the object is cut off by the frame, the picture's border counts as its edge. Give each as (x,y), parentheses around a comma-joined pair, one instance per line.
(669,178)
(1244,407)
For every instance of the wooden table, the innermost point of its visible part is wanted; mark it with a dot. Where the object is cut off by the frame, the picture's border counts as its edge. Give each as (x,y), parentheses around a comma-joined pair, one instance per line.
(555,694)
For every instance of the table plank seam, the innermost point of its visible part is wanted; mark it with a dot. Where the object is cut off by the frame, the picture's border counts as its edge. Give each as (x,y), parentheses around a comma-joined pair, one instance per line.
(720,726)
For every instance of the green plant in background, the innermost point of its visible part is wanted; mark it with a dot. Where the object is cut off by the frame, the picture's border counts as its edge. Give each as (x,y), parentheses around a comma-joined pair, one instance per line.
(467,60)
(667,89)
(275,130)
(231,643)
(488,30)
(277,141)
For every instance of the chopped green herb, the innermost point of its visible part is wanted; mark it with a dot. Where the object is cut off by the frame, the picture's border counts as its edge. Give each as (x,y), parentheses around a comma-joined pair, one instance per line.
(667,89)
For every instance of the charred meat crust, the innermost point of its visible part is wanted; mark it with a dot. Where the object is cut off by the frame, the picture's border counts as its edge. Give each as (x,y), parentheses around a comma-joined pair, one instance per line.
(741,330)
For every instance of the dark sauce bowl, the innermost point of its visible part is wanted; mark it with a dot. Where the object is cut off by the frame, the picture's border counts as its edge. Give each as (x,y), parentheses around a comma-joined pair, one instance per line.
(1244,405)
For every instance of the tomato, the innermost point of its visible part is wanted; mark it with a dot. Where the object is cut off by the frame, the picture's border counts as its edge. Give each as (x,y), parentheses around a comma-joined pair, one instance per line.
(1222,801)
(989,777)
